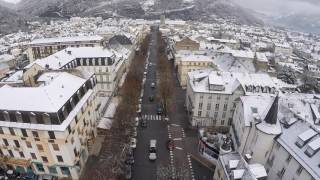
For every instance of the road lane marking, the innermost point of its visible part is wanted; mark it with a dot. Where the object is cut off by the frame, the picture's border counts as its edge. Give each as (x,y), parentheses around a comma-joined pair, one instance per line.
(177,125)
(179,148)
(177,139)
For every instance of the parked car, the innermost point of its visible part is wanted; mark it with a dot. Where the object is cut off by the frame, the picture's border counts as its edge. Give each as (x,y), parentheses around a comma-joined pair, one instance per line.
(152,150)
(151,98)
(137,121)
(139,109)
(128,172)
(133,143)
(143,123)
(135,132)
(153,85)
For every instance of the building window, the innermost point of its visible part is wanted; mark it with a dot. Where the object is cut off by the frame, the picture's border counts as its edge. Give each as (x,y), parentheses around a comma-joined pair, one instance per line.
(60,159)
(44,159)
(12,131)
(200,105)
(217,107)
(299,170)
(24,133)
(40,147)
(55,147)
(224,115)
(65,171)
(28,144)
(52,170)
(10,152)
(201,97)
(207,114)
(21,154)
(1,130)
(281,173)
(40,167)
(16,143)
(199,113)
(35,134)
(215,115)
(225,106)
(51,135)
(218,97)
(33,156)
(5,141)
(222,122)
(208,106)
(289,158)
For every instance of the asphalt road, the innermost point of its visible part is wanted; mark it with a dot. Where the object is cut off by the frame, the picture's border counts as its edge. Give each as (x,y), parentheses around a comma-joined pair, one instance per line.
(144,169)
(162,130)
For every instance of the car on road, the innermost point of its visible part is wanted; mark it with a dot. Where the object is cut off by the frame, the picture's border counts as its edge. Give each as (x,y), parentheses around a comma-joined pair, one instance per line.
(128,172)
(159,109)
(145,73)
(135,132)
(133,143)
(136,121)
(151,98)
(143,123)
(152,150)
(140,100)
(153,85)
(139,109)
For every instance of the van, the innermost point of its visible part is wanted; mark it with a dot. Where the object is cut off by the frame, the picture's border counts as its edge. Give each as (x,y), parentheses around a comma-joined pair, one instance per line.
(152,150)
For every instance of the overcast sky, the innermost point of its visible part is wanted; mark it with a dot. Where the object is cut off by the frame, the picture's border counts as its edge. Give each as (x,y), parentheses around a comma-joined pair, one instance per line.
(12,1)
(281,6)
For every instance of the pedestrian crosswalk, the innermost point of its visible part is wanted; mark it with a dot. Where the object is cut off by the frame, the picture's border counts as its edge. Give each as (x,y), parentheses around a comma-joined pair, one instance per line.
(152,117)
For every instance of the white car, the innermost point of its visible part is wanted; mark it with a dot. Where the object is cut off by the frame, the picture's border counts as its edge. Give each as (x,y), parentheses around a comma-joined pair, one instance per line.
(136,121)
(135,132)
(145,73)
(133,143)
(152,150)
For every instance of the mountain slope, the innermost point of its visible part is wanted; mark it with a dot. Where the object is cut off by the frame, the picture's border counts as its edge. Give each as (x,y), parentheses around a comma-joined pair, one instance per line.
(181,9)
(11,21)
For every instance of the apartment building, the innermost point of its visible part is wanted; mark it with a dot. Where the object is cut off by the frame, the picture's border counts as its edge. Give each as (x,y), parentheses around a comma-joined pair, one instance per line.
(46,129)
(103,62)
(280,132)
(192,62)
(187,44)
(233,166)
(41,48)
(255,126)
(212,96)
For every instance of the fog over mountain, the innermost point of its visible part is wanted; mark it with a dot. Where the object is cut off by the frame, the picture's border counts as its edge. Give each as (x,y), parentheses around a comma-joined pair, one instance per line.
(302,15)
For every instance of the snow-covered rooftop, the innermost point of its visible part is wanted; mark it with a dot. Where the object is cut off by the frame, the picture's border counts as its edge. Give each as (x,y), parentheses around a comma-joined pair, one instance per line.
(66,39)
(49,97)
(231,81)
(63,57)
(240,168)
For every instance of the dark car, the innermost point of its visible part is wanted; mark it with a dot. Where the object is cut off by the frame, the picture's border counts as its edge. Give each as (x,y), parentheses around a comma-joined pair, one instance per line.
(143,123)
(128,172)
(151,98)
(159,109)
